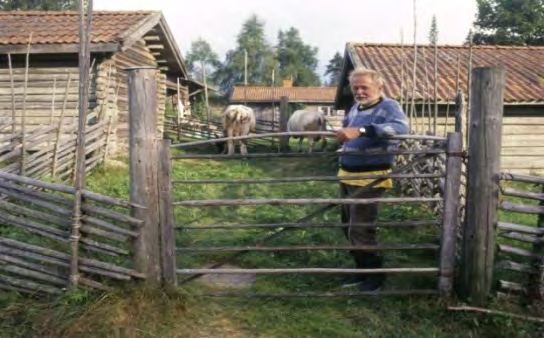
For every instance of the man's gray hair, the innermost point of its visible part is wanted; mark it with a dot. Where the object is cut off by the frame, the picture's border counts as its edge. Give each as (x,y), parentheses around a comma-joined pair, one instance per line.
(362,71)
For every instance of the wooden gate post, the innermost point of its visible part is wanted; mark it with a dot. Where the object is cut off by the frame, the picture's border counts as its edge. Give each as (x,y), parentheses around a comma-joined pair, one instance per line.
(450,218)
(142,105)
(478,250)
(168,247)
(284,118)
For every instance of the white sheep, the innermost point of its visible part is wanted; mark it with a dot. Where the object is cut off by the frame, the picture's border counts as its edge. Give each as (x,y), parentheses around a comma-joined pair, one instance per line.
(308,120)
(238,120)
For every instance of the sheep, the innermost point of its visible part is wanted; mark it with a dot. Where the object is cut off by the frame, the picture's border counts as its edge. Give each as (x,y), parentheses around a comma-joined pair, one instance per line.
(238,120)
(308,120)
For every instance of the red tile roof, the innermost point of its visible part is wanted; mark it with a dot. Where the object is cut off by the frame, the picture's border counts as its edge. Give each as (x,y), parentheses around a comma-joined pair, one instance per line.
(274,94)
(62,27)
(524,68)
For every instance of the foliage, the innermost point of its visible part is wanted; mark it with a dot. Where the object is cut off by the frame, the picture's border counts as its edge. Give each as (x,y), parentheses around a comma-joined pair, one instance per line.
(261,59)
(334,69)
(433,32)
(509,22)
(43,5)
(201,57)
(297,60)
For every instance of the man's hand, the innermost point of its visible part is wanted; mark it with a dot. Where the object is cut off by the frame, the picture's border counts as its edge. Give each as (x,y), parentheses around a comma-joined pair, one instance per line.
(346,134)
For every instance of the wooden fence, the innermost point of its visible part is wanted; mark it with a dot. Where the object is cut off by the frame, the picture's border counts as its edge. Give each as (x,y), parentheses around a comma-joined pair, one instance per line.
(35,220)
(448,218)
(521,248)
(51,149)
(140,233)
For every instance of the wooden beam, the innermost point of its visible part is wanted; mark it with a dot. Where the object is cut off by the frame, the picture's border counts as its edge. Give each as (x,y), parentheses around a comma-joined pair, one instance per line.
(159,46)
(136,32)
(166,213)
(162,61)
(66,48)
(450,215)
(152,38)
(142,95)
(478,252)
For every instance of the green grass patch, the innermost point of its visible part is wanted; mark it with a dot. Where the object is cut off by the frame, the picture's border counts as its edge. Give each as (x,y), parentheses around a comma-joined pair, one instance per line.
(139,312)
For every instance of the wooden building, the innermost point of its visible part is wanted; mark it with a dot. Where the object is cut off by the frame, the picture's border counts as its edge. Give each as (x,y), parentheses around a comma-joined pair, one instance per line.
(264,100)
(523,122)
(119,40)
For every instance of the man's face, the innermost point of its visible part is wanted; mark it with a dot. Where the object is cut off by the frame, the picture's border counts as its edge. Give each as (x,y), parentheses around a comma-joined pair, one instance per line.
(365,90)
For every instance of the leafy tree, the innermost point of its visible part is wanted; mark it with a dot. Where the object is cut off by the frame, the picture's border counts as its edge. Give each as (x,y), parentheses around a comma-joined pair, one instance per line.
(334,69)
(41,5)
(297,60)
(509,22)
(261,59)
(201,59)
(433,32)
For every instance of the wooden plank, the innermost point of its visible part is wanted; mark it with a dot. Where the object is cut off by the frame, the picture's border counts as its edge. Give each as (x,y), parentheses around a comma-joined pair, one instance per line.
(522,237)
(522,141)
(303,201)
(450,214)
(477,261)
(521,208)
(30,285)
(513,266)
(305,271)
(58,48)
(143,169)
(522,162)
(522,178)
(38,91)
(168,245)
(381,247)
(523,151)
(284,118)
(518,251)
(525,229)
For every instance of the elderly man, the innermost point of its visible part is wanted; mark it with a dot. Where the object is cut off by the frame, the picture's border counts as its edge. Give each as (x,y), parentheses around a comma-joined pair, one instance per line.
(368,125)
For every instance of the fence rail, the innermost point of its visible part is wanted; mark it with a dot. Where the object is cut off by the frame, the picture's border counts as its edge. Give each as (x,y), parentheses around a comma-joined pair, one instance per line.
(427,154)
(522,254)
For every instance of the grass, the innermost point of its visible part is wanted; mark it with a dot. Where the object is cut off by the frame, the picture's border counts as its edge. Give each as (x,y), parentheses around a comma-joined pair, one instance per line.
(135,311)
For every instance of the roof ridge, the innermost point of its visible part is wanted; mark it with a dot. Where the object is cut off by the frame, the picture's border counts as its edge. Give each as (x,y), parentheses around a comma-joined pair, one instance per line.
(279,87)
(380,44)
(99,12)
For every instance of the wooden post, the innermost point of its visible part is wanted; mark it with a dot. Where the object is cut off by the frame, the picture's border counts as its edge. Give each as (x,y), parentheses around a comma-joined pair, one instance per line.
(284,118)
(459,106)
(142,95)
(23,116)
(59,129)
(12,86)
(168,245)
(536,281)
(85,18)
(208,117)
(450,216)
(478,250)
(108,136)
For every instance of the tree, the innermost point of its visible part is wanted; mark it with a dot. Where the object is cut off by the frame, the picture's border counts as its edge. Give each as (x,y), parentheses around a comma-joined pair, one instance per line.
(433,32)
(40,5)
(509,22)
(334,69)
(261,59)
(201,59)
(297,60)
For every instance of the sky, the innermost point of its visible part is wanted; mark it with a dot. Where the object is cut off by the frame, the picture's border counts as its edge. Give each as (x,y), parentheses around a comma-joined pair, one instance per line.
(325,24)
